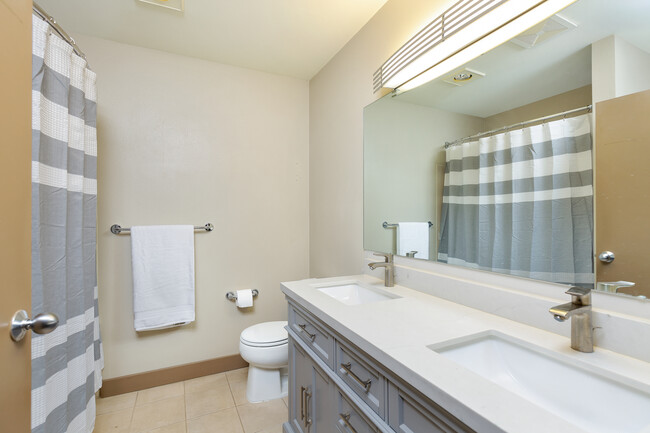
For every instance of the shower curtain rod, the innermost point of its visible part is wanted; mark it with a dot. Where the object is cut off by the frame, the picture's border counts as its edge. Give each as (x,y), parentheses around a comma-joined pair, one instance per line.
(57,28)
(449,144)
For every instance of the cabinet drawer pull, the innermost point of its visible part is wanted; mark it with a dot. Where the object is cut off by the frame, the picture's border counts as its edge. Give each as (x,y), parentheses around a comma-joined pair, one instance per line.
(307,402)
(345,417)
(302,402)
(365,384)
(302,328)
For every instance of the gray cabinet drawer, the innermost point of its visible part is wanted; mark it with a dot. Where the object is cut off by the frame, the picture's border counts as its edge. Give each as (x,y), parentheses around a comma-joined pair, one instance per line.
(312,333)
(408,414)
(350,419)
(362,378)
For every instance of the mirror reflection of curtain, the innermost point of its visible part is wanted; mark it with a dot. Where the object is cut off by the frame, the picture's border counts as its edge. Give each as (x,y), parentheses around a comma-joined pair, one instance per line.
(66,364)
(521,203)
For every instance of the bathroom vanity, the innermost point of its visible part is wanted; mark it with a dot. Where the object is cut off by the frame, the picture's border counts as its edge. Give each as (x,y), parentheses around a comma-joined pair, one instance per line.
(365,358)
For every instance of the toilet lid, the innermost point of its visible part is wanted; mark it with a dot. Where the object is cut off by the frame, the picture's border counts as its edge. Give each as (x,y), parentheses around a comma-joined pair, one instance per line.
(265,334)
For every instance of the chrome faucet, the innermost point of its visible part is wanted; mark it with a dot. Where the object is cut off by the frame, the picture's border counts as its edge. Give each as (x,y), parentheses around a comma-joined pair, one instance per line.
(612,287)
(387,264)
(582,335)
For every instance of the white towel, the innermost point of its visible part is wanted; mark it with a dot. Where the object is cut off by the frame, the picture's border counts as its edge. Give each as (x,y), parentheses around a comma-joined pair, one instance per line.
(163,276)
(413,237)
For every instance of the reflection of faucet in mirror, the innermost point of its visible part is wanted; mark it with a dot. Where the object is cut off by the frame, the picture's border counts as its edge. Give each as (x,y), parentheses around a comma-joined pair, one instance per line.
(387,264)
(580,310)
(614,286)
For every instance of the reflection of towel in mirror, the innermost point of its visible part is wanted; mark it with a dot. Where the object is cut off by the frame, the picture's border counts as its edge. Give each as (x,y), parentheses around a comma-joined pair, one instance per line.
(413,237)
(163,276)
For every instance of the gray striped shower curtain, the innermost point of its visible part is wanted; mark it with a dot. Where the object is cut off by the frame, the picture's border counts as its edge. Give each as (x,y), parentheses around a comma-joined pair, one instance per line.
(67,363)
(521,203)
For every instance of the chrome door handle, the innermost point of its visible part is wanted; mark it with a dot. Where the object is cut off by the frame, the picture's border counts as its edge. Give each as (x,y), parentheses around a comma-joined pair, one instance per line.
(302,402)
(364,383)
(345,417)
(606,257)
(43,323)
(302,328)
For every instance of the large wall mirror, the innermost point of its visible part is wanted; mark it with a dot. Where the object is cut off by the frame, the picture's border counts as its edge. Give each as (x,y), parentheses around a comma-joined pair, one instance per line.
(530,160)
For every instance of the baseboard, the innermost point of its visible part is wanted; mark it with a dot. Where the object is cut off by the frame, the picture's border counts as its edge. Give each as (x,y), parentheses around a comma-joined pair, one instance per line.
(164,376)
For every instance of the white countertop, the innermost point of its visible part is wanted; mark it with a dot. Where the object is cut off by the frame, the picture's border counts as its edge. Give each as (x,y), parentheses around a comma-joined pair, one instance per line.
(397,332)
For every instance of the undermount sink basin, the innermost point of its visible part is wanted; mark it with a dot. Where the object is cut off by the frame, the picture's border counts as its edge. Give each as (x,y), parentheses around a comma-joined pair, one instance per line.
(591,398)
(354,294)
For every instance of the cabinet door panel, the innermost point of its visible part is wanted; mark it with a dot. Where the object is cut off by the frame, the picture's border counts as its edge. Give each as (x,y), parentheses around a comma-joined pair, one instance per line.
(300,378)
(321,407)
(311,396)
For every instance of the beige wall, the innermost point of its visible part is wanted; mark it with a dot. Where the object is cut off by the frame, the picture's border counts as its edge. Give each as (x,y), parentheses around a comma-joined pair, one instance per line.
(618,68)
(186,141)
(632,64)
(338,94)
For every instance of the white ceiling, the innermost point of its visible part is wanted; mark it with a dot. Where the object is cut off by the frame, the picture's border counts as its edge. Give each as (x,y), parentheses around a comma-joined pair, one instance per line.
(516,76)
(288,37)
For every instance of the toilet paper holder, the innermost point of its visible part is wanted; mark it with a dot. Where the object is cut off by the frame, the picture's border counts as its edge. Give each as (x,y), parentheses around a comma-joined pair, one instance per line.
(231,296)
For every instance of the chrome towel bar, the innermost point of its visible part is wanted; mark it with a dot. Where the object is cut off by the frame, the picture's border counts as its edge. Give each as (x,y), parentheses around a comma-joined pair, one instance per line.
(231,296)
(116,229)
(388,226)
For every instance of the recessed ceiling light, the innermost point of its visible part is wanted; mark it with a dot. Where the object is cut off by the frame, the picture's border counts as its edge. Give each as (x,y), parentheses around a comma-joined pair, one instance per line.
(177,5)
(462,77)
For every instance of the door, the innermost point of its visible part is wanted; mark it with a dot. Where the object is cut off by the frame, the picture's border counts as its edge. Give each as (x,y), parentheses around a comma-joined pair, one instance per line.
(15,210)
(321,409)
(622,194)
(311,394)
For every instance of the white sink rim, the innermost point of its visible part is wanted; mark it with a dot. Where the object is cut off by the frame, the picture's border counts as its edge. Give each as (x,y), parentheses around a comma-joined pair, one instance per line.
(375,294)
(605,376)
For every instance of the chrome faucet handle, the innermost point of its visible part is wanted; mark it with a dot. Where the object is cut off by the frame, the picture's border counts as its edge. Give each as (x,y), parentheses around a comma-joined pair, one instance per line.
(580,295)
(388,257)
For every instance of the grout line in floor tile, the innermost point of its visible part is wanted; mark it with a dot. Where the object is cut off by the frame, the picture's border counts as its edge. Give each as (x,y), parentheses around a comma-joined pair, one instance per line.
(132,413)
(240,421)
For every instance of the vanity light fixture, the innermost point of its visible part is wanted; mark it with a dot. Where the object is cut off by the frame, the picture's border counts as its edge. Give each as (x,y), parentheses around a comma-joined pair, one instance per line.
(463,32)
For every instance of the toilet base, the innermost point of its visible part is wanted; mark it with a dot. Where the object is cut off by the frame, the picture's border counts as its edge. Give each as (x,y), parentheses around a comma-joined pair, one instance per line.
(266,384)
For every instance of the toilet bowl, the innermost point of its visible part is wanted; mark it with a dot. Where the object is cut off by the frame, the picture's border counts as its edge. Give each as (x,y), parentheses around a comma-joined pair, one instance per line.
(264,346)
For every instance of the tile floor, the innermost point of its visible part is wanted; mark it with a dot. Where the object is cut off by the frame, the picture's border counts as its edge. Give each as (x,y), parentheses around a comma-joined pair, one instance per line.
(210,404)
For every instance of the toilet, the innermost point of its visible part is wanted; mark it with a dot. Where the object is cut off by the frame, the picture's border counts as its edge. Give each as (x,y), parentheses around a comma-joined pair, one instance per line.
(264,346)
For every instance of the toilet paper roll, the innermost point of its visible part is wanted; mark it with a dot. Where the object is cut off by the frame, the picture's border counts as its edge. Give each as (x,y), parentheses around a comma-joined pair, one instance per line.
(244,298)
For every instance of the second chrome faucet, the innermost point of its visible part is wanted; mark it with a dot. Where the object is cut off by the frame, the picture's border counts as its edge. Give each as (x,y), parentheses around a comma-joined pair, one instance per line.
(387,264)
(579,310)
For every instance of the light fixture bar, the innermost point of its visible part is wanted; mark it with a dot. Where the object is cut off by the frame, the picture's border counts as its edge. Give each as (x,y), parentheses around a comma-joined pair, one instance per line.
(444,26)
(475,27)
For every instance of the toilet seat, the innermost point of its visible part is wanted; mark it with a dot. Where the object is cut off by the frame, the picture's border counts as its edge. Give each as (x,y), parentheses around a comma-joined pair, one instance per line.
(268,334)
